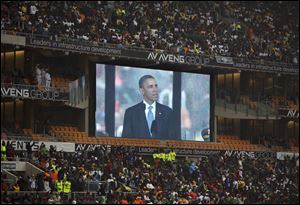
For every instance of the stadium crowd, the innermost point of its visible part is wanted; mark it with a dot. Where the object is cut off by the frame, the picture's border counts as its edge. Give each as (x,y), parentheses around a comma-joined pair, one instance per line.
(126,177)
(255,30)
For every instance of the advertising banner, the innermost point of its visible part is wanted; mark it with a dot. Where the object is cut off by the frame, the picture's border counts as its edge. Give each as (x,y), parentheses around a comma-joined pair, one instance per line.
(163,56)
(32,92)
(35,145)
(248,154)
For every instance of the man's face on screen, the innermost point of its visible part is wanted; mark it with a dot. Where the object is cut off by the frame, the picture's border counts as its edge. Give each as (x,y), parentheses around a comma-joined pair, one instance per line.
(149,90)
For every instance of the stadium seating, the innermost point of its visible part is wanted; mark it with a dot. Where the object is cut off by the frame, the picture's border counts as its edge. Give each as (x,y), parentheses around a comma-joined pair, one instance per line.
(61,82)
(239,29)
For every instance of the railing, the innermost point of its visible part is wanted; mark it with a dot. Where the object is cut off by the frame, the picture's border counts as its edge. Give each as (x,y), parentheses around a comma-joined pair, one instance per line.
(11,178)
(261,106)
(255,108)
(47,198)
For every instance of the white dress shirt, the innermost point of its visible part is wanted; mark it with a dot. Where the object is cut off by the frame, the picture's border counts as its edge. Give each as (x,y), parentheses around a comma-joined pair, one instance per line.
(147,108)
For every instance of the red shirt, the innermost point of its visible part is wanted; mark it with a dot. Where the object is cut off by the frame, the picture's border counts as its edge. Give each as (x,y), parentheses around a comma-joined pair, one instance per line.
(123,201)
(193,195)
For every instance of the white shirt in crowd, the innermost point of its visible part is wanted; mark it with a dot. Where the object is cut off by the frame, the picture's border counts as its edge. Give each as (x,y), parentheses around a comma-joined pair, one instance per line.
(48,77)
(33,9)
(48,80)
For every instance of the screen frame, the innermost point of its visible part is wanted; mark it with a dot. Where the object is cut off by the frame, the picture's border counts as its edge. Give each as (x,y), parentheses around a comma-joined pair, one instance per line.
(92,99)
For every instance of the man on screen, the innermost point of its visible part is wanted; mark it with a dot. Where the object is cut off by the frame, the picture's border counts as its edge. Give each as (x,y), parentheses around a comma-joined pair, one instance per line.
(149,119)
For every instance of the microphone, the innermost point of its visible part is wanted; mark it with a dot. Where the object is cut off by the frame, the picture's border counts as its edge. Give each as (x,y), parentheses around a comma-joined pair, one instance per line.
(154,129)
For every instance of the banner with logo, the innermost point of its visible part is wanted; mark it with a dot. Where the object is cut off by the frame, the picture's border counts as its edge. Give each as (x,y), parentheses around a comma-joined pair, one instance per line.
(218,61)
(72,46)
(164,57)
(248,154)
(260,65)
(32,92)
(91,147)
(288,113)
(179,152)
(35,145)
(286,155)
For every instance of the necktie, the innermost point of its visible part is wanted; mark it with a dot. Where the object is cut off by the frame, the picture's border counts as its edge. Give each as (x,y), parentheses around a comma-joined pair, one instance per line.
(150,117)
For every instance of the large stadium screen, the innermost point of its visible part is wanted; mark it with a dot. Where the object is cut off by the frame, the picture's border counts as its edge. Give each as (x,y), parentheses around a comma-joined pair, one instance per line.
(181,110)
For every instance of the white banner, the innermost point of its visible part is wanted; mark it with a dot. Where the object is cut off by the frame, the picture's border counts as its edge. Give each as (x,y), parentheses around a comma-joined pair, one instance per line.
(35,145)
(282,155)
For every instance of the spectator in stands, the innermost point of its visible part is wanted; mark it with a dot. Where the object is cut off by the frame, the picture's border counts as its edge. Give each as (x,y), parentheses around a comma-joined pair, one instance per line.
(43,76)
(214,179)
(33,183)
(40,185)
(52,150)
(4,183)
(47,182)
(54,198)
(236,29)
(149,119)
(54,178)
(29,150)
(3,151)
(38,74)
(16,187)
(10,152)
(48,80)
(43,151)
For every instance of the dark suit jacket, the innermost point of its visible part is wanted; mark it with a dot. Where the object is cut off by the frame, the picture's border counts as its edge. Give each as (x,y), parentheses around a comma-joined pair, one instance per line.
(135,123)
